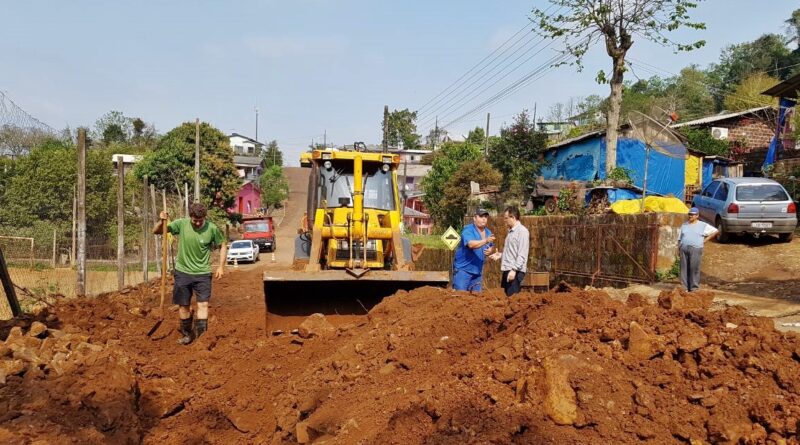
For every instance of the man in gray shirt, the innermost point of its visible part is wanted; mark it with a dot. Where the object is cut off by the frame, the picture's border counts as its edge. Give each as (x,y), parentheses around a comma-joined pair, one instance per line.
(515,252)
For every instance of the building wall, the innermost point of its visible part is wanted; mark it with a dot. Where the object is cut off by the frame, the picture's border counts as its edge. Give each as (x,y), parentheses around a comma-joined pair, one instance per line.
(248,200)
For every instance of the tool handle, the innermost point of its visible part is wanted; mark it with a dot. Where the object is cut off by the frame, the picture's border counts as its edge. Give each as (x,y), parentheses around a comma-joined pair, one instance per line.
(163,251)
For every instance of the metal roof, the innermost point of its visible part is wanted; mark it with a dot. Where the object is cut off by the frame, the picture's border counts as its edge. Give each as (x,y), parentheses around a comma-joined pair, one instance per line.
(408,211)
(787,88)
(253,161)
(719,117)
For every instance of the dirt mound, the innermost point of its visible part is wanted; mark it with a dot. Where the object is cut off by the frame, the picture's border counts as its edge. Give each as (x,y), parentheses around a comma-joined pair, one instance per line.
(428,366)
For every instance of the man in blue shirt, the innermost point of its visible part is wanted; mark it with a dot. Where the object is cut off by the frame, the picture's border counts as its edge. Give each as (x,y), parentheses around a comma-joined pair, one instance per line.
(477,242)
(694,234)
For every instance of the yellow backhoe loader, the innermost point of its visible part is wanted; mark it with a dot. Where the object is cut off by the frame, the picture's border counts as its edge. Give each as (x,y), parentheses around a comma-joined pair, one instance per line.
(351,243)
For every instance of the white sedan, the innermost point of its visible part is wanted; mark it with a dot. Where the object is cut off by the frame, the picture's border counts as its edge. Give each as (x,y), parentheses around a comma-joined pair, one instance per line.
(242,250)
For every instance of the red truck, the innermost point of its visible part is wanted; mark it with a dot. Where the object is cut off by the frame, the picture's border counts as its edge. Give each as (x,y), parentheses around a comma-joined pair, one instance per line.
(261,230)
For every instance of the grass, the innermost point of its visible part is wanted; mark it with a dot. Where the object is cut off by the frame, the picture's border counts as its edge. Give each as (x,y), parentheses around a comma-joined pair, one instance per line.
(429,241)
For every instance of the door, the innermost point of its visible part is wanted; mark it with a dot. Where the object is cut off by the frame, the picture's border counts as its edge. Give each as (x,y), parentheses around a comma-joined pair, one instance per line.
(702,202)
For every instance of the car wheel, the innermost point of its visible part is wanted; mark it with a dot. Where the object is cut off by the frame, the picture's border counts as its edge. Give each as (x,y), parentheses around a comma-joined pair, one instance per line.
(722,237)
(786,237)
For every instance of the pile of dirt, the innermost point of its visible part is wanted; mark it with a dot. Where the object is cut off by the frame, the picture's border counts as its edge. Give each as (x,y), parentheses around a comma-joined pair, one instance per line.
(427,366)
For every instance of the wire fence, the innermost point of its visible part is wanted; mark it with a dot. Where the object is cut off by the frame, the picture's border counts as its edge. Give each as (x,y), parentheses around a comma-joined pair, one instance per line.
(42,259)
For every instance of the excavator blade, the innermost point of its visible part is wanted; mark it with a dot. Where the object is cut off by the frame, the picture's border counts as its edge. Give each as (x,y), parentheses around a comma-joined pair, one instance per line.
(330,291)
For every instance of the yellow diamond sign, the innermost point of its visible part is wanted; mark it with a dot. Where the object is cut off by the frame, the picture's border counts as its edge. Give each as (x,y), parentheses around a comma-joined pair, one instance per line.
(451,238)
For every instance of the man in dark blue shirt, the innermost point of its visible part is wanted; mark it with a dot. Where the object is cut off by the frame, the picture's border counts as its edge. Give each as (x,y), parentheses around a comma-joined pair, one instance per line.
(477,242)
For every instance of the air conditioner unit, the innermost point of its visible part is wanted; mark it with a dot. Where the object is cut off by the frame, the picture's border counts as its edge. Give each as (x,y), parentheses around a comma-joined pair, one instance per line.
(719,133)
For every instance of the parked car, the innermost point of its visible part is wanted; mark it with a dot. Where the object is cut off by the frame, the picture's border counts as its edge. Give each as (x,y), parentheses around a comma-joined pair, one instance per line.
(747,205)
(242,250)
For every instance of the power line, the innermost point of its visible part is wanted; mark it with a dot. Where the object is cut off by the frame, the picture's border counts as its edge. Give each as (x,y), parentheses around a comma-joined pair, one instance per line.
(461,89)
(526,80)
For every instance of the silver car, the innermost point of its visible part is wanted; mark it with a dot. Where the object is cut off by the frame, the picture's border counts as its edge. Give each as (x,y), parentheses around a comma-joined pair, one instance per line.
(747,205)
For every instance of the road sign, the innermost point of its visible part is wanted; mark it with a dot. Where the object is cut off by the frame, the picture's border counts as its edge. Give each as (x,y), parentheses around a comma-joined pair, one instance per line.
(451,238)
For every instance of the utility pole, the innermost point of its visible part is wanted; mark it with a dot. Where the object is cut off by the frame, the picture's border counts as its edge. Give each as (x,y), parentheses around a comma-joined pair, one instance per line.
(120,223)
(80,288)
(197,160)
(385,128)
(256,123)
(436,133)
(325,139)
(534,115)
(486,137)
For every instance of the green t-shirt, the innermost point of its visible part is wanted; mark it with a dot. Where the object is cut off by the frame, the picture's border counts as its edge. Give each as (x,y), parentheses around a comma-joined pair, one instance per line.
(194,246)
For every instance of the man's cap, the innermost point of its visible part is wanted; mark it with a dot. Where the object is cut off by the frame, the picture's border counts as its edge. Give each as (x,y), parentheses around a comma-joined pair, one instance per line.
(694,211)
(481,211)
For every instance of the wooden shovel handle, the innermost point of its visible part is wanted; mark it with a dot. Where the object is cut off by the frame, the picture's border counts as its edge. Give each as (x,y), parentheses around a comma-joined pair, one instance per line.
(163,251)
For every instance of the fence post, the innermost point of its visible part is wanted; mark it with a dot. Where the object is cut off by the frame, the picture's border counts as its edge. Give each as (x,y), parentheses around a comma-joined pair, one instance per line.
(8,287)
(158,238)
(145,229)
(54,248)
(80,289)
(120,223)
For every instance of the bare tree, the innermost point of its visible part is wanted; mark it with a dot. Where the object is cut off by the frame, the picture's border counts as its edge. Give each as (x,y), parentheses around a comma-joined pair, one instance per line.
(617,22)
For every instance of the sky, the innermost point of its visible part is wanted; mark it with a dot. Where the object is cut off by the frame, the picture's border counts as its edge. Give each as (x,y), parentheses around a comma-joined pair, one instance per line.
(314,69)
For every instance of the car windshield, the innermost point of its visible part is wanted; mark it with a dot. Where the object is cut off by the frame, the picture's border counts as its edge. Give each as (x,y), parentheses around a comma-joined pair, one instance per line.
(256,227)
(242,245)
(761,192)
(336,186)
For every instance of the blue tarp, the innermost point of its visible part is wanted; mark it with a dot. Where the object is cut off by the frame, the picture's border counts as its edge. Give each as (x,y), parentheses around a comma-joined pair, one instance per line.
(585,161)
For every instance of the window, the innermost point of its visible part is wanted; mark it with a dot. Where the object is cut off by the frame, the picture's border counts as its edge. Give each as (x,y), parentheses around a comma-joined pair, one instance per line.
(722,192)
(761,192)
(711,189)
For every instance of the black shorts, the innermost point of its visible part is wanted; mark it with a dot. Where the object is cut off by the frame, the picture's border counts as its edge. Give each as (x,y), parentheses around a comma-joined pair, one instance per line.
(185,284)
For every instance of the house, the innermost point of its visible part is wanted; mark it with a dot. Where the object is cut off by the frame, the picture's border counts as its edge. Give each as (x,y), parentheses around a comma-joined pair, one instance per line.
(248,200)
(246,156)
(248,167)
(245,146)
(749,132)
(554,130)
(127,161)
(415,216)
(581,161)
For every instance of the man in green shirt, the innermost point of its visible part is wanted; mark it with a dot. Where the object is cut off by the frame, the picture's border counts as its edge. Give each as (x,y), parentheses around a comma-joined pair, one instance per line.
(196,238)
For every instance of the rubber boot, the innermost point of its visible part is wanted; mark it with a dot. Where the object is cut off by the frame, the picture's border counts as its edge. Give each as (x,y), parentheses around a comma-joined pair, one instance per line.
(187,334)
(200,326)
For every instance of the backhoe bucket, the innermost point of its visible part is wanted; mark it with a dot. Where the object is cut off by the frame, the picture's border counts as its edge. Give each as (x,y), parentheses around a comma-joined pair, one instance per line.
(340,291)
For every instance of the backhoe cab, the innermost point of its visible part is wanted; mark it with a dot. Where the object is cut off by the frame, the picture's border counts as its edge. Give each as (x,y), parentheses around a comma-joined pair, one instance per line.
(353,243)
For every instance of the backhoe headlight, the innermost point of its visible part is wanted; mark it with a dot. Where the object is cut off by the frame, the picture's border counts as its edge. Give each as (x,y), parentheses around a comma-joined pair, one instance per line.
(385,168)
(327,165)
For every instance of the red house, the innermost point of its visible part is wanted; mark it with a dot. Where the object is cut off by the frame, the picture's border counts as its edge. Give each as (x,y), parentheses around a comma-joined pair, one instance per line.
(248,200)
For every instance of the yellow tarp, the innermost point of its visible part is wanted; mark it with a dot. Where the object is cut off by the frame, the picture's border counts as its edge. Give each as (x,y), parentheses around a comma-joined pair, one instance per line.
(651,204)
(692,176)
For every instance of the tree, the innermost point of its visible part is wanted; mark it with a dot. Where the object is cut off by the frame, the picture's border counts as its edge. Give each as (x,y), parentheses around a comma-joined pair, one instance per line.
(477,136)
(515,155)
(41,187)
(793,25)
(17,141)
(113,127)
(171,164)
(274,187)
(272,155)
(616,22)
(456,193)
(446,161)
(748,94)
(702,140)
(402,129)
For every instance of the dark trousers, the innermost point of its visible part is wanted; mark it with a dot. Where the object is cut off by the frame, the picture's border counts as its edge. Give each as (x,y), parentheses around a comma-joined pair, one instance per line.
(512,287)
(690,267)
